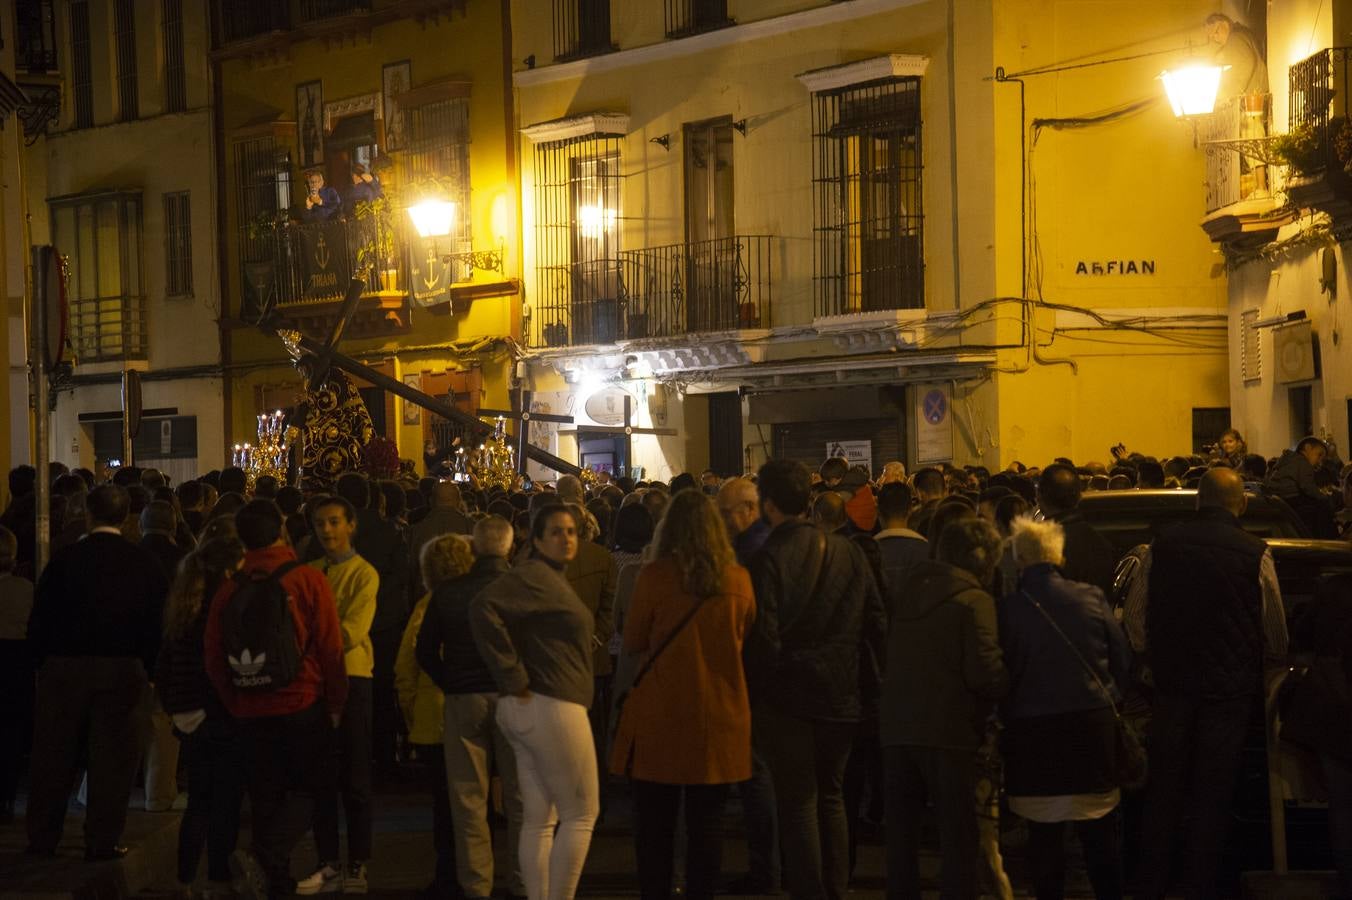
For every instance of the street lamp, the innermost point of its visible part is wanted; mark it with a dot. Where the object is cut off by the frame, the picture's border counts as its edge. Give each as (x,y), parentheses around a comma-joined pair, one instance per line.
(1192,89)
(433,218)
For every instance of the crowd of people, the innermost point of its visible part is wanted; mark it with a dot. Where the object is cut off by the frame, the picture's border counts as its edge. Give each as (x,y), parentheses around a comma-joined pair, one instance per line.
(843,654)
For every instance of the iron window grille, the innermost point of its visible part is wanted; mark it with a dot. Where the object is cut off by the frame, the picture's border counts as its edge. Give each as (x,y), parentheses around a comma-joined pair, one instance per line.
(263,185)
(577,241)
(82,77)
(175,77)
(438,149)
(124,35)
(100,236)
(35,25)
(581,29)
(1318,101)
(868,219)
(687,17)
(177,245)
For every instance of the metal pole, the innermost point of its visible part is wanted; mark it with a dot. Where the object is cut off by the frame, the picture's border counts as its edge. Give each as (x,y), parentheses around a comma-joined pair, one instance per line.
(39,296)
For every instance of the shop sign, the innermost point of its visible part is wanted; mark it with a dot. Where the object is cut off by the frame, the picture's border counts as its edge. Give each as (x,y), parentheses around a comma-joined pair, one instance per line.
(856,453)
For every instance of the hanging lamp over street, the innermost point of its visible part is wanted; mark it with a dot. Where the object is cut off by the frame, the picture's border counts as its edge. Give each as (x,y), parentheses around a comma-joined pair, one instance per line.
(432,218)
(1192,88)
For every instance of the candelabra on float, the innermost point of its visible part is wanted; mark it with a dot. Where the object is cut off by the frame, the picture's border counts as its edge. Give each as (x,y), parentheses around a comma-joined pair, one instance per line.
(269,455)
(494,463)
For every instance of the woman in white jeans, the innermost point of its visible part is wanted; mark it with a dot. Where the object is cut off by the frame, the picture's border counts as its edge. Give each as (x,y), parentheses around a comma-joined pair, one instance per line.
(536,637)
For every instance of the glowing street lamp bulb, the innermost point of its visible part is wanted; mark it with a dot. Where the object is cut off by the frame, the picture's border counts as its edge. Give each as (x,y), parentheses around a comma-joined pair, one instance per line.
(1192,89)
(432,218)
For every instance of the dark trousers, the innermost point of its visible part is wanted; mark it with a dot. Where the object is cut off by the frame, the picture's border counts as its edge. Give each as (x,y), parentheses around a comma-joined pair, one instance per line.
(1195,750)
(1338,781)
(863,785)
(351,751)
(383,720)
(947,778)
(807,762)
(761,826)
(432,760)
(214,758)
(1101,841)
(656,807)
(290,762)
(16,711)
(96,700)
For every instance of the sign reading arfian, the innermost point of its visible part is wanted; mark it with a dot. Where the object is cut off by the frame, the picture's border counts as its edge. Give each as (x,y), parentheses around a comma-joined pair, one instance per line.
(1115,267)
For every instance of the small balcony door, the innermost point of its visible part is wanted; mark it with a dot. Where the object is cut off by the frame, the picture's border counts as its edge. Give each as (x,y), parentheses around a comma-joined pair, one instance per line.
(595,238)
(711,248)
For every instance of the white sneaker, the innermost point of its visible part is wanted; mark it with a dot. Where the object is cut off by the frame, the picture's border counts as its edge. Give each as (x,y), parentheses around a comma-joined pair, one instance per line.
(325,880)
(354,880)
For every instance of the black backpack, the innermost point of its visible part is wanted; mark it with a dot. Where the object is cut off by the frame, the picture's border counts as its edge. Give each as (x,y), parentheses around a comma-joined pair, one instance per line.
(258,632)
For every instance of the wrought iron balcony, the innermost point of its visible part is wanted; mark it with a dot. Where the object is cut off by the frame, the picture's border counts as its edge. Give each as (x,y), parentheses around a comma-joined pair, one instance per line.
(1237,149)
(300,266)
(310,10)
(687,17)
(35,28)
(1318,106)
(657,292)
(241,20)
(581,29)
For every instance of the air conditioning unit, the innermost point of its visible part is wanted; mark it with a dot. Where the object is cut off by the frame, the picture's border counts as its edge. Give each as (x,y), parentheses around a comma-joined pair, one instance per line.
(1293,353)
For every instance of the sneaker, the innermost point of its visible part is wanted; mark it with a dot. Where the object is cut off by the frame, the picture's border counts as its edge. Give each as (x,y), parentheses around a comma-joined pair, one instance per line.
(249,879)
(327,879)
(354,879)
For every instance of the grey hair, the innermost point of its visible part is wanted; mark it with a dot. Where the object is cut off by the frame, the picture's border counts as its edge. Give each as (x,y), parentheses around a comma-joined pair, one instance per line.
(492,536)
(1037,542)
(972,545)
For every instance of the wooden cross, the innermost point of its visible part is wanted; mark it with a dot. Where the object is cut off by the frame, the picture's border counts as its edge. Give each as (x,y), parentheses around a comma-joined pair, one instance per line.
(323,356)
(522,414)
(627,429)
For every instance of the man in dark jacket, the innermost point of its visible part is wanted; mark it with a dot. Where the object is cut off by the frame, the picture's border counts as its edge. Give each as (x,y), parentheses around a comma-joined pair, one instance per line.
(1292,479)
(94,633)
(1206,610)
(817,613)
(899,546)
(382,544)
(1089,557)
(473,741)
(945,675)
(159,525)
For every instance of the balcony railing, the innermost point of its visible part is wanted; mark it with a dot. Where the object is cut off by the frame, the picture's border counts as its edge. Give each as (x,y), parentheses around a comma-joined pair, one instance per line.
(1318,102)
(1232,135)
(240,20)
(658,292)
(581,28)
(309,264)
(312,10)
(108,328)
(687,17)
(35,28)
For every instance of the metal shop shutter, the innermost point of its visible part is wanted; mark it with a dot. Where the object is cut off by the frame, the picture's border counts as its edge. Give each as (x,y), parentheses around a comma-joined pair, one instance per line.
(806,441)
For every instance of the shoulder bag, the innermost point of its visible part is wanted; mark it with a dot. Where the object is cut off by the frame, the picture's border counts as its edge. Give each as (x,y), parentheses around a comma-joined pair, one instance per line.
(1130,764)
(652,658)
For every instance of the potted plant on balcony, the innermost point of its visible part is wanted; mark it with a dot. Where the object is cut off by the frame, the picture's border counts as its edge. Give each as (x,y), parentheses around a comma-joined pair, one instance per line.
(1317,178)
(377,222)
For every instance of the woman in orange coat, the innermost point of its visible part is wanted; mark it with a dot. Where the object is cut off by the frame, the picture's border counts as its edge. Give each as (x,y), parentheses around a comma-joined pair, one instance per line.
(685,731)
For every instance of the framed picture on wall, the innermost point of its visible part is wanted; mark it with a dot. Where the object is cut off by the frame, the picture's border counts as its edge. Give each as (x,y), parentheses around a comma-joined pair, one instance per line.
(412,412)
(310,123)
(395,79)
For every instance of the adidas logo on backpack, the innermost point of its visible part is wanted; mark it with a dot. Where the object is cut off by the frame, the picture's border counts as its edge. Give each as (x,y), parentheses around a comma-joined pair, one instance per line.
(258,632)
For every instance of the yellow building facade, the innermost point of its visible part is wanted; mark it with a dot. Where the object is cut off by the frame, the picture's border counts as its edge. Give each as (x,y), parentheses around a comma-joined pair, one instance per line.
(416,93)
(796,228)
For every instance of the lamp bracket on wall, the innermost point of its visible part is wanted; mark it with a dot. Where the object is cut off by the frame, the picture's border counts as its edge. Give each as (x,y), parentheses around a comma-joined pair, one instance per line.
(740,125)
(663,141)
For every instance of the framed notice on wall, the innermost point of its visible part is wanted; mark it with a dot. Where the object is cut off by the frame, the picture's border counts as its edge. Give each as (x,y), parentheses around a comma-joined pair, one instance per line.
(933,421)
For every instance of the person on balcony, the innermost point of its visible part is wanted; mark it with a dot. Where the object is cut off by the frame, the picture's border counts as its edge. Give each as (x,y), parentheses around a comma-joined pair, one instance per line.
(365,188)
(322,203)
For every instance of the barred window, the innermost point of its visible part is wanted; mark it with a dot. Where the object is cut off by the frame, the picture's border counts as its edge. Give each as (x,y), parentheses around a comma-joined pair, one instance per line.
(581,28)
(438,148)
(177,245)
(100,236)
(577,241)
(124,33)
(263,190)
(866,180)
(82,77)
(175,87)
